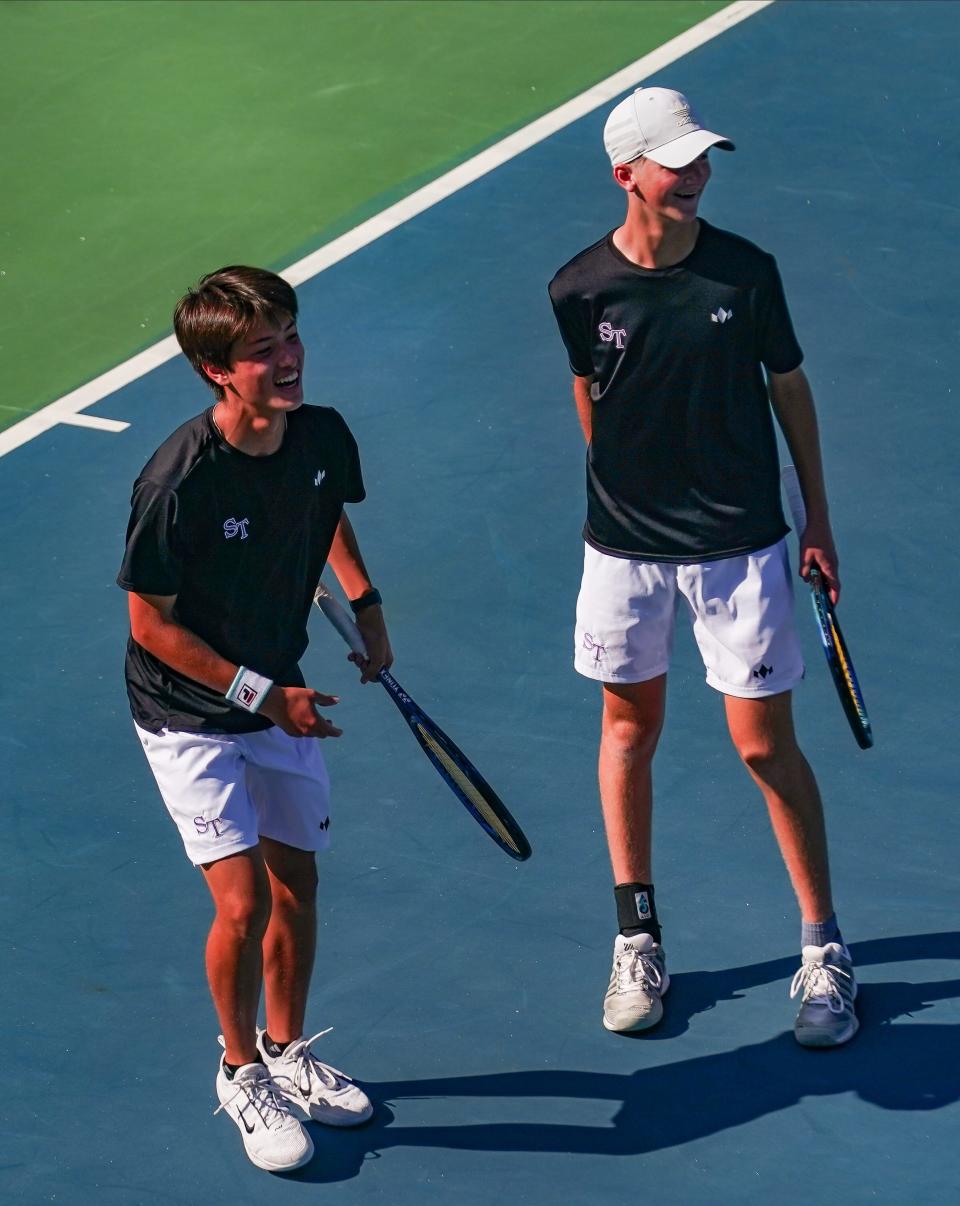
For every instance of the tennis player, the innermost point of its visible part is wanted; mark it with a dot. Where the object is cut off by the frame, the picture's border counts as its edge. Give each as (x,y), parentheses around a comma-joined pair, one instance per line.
(233,519)
(680,342)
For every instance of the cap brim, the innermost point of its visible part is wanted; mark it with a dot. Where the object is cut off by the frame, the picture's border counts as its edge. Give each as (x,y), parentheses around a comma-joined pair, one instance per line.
(687,147)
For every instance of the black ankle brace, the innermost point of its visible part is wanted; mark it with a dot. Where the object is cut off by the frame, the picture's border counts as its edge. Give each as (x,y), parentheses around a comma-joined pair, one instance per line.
(636,910)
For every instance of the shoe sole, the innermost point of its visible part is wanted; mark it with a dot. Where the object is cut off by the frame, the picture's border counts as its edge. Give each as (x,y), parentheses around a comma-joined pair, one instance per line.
(341,1122)
(823,1038)
(268,1167)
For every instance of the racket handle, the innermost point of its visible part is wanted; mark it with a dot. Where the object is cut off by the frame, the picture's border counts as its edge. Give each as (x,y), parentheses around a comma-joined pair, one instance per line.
(338,617)
(791,487)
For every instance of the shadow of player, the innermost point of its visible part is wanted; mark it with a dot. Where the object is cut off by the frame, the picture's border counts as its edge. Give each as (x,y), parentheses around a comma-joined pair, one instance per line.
(697,1097)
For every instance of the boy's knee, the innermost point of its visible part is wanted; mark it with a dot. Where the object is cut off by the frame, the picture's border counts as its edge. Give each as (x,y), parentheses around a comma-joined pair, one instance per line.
(633,735)
(757,755)
(765,756)
(245,914)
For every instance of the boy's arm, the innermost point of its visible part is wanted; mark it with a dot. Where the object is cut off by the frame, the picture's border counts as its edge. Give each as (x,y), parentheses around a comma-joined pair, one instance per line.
(792,402)
(153,625)
(346,562)
(581,395)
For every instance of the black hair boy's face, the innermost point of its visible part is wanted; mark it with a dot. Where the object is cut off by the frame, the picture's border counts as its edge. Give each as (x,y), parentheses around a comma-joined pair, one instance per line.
(266,368)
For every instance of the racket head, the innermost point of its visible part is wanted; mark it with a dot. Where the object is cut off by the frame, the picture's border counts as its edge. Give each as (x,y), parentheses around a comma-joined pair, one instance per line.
(456,769)
(461,776)
(840,662)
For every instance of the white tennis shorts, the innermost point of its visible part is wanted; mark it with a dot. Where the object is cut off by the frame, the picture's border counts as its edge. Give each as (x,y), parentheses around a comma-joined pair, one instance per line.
(741,609)
(226,790)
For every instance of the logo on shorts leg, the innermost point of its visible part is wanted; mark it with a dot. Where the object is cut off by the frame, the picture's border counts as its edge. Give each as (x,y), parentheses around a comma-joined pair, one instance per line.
(762,671)
(204,826)
(596,648)
(325,824)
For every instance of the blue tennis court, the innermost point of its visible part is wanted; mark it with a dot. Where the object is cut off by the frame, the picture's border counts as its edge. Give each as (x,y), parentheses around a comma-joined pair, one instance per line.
(465,989)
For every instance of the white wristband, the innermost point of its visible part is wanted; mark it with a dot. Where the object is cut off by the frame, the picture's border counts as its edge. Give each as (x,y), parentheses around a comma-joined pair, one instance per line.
(248,690)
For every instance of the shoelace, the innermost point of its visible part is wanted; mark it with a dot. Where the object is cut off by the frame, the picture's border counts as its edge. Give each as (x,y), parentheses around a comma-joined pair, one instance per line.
(819,984)
(307,1066)
(639,967)
(268,1099)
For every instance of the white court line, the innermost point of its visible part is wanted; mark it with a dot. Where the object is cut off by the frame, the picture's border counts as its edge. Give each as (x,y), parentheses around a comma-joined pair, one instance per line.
(65,409)
(83,420)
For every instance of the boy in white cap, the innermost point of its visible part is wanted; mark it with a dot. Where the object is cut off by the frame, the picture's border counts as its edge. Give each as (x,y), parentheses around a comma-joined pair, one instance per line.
(680,342)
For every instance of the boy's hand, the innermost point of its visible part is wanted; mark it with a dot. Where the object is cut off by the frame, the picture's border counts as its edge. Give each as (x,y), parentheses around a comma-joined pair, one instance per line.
(379,654)
(294,710)
(817,548)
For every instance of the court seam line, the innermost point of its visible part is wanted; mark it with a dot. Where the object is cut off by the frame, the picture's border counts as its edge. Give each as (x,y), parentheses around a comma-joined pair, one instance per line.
(66,408)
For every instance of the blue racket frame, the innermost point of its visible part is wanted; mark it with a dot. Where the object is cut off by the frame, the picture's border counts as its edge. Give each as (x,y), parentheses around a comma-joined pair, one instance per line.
(426,731)
(835,649)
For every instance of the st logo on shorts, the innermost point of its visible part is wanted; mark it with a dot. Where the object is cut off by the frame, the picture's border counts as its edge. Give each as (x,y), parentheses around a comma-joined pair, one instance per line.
(214,826)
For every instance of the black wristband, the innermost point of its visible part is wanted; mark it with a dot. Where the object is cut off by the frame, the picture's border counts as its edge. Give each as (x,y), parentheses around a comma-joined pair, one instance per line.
(369,598)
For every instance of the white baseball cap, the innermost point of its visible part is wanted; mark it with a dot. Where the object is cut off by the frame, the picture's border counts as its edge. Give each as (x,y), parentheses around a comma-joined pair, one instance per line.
(661,125)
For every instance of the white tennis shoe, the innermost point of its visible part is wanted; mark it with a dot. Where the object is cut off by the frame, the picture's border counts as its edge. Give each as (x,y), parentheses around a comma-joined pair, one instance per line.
(321,1092)
(637,983)
(274,1138)
(825,979)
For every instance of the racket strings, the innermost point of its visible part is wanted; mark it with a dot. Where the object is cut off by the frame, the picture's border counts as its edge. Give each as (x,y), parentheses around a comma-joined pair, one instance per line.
(468,789)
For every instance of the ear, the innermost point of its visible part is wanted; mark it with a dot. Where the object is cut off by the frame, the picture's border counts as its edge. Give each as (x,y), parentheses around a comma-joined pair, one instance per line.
(623,175)
(219,376)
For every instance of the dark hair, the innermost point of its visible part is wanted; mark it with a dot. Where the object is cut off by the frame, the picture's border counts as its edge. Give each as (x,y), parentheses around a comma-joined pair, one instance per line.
(224,306)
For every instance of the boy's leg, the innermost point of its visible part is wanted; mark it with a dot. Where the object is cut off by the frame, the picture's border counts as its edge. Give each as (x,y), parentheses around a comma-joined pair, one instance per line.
(762,731)
(322,1092)
(289,944)
(763,734)
(241,896)
(623,637)
(632,721)
(203,783)
(742,609)
(743,621)
(273,1138)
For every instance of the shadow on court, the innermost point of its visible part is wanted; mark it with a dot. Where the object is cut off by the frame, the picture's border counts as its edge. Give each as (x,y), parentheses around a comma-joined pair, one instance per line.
(677,1103)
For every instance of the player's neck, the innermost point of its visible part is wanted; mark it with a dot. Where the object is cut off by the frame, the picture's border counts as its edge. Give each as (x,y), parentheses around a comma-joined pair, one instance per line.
(249,431)
(652,241)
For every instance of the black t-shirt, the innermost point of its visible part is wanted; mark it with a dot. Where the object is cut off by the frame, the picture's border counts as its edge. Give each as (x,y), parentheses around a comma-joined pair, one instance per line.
(241,541)
(682,464)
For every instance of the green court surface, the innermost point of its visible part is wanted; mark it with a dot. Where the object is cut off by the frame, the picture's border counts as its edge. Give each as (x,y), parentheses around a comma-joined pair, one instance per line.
(143,142)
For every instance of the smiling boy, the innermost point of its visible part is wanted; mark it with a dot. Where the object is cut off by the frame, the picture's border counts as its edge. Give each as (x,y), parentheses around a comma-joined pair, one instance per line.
(680,341)
(233,519)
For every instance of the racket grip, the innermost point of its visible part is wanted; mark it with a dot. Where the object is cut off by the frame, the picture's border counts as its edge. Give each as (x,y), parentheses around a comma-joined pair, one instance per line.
(791,487)
(338,617)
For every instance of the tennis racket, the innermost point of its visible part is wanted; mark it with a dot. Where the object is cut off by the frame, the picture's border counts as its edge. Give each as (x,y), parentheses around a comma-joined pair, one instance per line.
(834,646)
(461,776)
